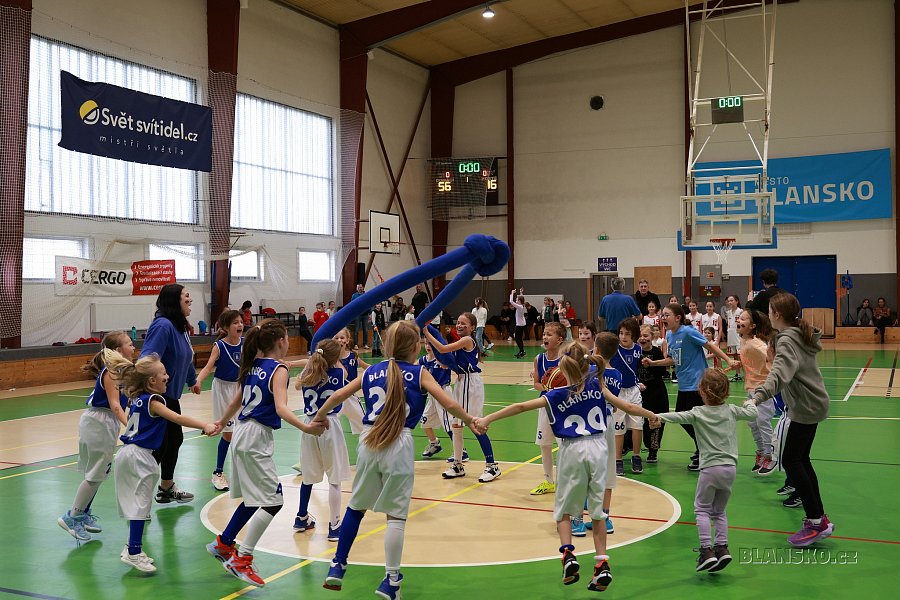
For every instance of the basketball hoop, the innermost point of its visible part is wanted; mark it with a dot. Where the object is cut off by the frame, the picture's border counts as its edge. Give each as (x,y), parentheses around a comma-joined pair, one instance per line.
(722,246)
(391,247)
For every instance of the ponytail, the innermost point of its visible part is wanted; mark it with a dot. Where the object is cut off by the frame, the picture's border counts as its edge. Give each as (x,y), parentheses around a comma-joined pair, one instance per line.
(401,342)
(575,364)
(132,377)
(787,305)
(327,353)
(261,338)
(111,341)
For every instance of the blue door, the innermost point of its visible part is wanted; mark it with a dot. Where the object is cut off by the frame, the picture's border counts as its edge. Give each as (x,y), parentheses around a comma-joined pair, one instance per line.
(811,278)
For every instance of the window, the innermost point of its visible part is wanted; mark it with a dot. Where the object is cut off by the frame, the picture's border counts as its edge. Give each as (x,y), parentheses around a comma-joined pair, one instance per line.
(283,172)
(246,265)
(39,256)
(315,266)
(189,265)
(63,181)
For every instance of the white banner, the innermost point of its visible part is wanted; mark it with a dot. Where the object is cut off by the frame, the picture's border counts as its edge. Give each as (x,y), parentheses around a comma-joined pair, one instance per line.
(81,277)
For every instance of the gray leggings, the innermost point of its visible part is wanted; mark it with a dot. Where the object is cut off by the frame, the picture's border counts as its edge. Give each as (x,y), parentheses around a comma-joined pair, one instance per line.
(761,428)
(713,492)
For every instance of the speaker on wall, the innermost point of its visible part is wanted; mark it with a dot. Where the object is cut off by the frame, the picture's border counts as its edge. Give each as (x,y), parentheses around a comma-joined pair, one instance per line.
(361,273)
(596,102)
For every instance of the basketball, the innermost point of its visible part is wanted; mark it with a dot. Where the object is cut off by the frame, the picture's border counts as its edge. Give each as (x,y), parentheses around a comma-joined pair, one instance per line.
(553,379)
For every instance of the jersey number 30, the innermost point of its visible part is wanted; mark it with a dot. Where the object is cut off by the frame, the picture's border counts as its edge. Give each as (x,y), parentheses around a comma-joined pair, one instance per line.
(595,419)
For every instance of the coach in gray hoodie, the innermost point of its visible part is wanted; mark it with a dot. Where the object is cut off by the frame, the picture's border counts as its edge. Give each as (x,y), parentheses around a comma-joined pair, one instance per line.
(796,376)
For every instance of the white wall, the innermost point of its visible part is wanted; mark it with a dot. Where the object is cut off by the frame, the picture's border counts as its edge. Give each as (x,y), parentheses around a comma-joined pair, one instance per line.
(621,170)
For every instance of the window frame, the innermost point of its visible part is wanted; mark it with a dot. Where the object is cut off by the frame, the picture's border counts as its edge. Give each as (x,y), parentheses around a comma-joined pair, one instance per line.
(201,264)
(331,254)
(260,265)
(85,245)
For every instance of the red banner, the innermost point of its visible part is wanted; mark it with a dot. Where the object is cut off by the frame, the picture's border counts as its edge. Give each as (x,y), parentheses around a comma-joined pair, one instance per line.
(149,276)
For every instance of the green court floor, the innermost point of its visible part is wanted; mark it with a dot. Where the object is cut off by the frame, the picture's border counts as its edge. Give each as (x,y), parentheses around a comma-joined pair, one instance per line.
(856,455)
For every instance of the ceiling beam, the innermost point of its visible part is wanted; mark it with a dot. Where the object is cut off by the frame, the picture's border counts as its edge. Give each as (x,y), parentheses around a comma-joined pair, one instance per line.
(468,69)
(377,30)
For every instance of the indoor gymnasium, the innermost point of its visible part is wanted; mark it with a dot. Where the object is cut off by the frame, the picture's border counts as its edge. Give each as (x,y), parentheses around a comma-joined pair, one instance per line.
(429,298)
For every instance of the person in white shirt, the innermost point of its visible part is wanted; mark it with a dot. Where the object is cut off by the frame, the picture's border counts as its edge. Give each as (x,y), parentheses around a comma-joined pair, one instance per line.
(712,319)
(481,313)
(518,303)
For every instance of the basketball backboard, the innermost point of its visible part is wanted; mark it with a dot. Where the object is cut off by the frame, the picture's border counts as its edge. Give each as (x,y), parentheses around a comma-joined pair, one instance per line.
(384,232)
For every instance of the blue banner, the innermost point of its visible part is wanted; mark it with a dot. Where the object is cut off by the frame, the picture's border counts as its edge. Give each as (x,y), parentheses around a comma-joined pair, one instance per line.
(112,121)
(827,187)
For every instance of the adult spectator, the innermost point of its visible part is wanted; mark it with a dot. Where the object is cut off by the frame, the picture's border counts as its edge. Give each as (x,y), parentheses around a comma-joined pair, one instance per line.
(883,317)
(617,306)
(865,317)
(167,337)
(420,299)
(331,308)
(532,318)
(507,321)
(398,309)
(362,320)
(247,314)
(769,279)
(303,326)
(644,296)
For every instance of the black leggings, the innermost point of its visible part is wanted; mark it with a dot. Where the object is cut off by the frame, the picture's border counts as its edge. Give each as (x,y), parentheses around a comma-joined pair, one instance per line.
(655,399)
(167,454)
(800,472)
(881,324)
(686,401)
(520,329)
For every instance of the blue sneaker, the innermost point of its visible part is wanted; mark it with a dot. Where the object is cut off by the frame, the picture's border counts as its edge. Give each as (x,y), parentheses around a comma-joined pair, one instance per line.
(74,526)
(389,588)
(578,528)
(465,457)
(609,526)
(335,577)
(334,533)
(304,523)
(589,524)
(91,523)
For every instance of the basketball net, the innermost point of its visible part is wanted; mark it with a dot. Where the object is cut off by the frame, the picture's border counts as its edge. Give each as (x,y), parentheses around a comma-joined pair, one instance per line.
(722,246)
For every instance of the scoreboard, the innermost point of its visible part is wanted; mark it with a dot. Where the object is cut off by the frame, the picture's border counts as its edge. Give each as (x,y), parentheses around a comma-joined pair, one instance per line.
(464,180)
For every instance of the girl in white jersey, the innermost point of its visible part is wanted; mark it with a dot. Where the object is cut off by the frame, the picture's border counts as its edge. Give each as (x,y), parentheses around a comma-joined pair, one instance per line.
(394,392)
(225,358)
(263,405)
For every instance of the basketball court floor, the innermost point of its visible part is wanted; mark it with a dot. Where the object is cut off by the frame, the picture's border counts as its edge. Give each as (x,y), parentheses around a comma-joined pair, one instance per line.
(489,540)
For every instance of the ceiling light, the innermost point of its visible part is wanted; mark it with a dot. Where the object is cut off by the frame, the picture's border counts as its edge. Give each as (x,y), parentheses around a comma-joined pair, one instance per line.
(488,12)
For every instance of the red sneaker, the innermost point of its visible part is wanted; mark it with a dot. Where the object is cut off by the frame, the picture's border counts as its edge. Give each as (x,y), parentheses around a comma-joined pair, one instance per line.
(219,551)
(241,566)
(759,459)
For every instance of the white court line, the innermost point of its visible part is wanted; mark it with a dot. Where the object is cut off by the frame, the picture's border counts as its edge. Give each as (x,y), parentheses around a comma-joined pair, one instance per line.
(842,418)
(855,383)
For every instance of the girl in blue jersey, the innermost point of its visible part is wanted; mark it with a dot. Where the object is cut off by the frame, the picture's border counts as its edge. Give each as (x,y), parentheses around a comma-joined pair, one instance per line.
(578,416)
(352,364)
(553,337)
(435,415)
(394,393)
(468,393)
(98,431)
(262,404)
(136,469)
(225,358)
(325,454)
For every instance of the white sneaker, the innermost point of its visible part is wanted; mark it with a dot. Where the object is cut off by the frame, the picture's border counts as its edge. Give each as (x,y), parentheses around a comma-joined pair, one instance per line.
(219,482)
(140,561)
(491,472)
(509,339)
(454,470)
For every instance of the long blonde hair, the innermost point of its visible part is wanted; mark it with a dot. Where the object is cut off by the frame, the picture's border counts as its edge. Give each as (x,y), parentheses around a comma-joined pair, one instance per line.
(326,354)
(575,363)
(132,376)
(112,340)
(401,342)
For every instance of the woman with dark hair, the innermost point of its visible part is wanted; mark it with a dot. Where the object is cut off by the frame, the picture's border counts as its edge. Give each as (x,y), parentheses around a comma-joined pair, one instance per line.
(168,338)
(246,313)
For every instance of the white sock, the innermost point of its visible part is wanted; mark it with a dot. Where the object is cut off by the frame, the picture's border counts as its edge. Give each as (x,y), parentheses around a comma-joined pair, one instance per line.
(458,444)
(83,496)
(255,528)
(393,547)
(334,503)
(599,557)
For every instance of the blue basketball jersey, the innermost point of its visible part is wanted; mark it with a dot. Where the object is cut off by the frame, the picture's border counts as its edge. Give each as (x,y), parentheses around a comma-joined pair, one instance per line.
(259,399)
(375,383)
(627,361)
(144,429)
(613,380)
(228,364)
(315,397)
(98,398)
(351,364)
(544,364)
(440,373)
(467,360)
(577,414)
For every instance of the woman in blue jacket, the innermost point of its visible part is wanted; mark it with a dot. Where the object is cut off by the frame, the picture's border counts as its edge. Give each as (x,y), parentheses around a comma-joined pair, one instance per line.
(168,337)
